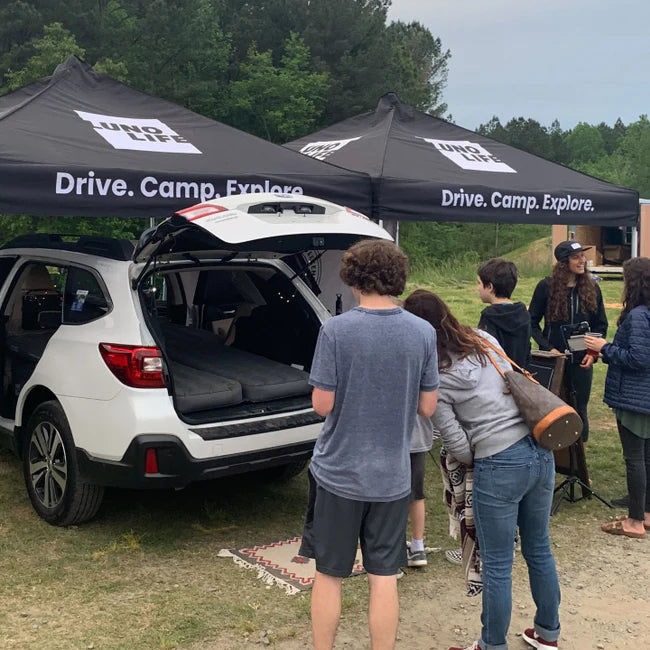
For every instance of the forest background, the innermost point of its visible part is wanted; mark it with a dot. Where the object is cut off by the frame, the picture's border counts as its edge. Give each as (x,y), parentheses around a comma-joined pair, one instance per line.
(280,69)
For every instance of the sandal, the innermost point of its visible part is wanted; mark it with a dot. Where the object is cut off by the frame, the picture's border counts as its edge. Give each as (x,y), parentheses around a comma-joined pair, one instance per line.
(616,528)
(624,517)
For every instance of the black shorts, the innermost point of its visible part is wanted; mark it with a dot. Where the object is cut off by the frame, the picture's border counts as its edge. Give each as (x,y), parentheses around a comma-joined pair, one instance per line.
(418,462)
(334,525)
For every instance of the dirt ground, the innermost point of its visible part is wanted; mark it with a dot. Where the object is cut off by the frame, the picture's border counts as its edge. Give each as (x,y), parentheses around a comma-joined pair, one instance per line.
(605,584)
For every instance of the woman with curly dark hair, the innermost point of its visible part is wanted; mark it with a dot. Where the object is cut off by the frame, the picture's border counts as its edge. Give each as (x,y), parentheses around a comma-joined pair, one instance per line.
(564,300)
(480,423)
(626,390)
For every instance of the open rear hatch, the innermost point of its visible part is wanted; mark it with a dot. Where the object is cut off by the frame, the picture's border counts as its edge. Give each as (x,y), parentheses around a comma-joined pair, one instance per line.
(257,225)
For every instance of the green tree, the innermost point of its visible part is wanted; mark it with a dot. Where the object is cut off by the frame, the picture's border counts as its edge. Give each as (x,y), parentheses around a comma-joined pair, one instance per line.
(417,69)
(280,102)
(56,45)
(585,143)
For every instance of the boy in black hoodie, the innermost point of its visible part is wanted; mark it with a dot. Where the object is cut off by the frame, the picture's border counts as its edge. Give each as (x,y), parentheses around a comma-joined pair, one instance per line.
(507,321)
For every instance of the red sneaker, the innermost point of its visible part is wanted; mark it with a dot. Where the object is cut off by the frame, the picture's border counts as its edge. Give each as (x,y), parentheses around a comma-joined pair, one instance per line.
(533,639)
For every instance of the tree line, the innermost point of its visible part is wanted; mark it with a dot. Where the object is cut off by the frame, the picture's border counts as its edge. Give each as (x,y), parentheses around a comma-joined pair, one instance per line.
(278,69)
(281,69)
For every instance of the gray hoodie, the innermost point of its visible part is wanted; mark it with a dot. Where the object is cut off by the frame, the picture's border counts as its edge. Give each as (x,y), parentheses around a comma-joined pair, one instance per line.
(474,416)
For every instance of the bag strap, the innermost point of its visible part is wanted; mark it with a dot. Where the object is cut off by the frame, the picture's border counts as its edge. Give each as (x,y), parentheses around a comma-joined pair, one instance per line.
(485,343)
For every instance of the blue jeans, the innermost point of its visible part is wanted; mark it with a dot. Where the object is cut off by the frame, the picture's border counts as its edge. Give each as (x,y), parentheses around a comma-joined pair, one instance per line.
(515,487)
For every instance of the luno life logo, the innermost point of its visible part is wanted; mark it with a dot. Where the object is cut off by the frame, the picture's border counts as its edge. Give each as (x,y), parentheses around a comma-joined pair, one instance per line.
(470,155)
(138,134)
(325,148)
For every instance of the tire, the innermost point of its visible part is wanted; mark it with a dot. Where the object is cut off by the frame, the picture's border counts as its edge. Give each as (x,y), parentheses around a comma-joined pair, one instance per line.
(284,473)
(51,472)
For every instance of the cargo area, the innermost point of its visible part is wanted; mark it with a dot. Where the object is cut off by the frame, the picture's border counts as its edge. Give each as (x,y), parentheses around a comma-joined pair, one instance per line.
(237,340)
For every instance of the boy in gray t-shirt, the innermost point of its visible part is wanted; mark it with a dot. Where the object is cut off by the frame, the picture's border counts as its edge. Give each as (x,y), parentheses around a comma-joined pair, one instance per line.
(374,368)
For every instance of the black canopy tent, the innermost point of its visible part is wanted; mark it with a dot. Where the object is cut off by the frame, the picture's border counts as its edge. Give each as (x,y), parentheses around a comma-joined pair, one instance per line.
(80,143)
(425,168)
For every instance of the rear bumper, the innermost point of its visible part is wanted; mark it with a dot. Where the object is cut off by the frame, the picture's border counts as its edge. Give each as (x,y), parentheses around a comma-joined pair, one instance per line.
(176,467)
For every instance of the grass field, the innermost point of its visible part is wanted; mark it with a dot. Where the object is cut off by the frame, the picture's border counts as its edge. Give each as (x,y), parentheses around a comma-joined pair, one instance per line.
(144,573)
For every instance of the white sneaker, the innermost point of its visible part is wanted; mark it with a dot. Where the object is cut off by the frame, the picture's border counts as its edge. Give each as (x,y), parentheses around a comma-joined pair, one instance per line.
(455,556)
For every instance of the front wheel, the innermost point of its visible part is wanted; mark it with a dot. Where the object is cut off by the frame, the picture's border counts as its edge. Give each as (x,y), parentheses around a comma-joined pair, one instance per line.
(51,473)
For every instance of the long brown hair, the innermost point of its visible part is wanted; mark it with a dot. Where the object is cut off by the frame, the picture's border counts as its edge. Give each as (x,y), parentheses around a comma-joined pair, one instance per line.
(452,336)
(557,302)
(636,286)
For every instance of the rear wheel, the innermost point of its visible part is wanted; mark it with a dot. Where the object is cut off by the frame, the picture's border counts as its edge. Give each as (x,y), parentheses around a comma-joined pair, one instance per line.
(51,473)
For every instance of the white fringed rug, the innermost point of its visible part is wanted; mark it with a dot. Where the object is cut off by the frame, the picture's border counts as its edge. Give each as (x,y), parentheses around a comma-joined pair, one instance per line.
(279,563)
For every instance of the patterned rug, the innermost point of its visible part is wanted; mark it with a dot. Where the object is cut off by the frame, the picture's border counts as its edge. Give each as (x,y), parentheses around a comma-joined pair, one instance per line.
(279,563)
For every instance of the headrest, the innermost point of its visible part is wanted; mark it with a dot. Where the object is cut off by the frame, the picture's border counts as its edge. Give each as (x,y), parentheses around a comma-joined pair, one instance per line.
(37,279)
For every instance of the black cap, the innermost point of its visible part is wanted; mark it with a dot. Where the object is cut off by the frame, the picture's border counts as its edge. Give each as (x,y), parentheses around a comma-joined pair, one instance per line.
(565,249)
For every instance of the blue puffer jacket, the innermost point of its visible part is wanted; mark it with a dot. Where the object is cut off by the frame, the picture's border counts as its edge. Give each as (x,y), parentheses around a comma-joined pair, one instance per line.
(627,385)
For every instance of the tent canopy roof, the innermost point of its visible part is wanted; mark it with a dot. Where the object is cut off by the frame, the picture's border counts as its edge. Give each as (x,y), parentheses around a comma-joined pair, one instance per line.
(425,168)
(81,143)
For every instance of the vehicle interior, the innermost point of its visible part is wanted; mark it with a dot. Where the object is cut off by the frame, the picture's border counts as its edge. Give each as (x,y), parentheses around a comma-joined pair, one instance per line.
(237,339)
(30,316)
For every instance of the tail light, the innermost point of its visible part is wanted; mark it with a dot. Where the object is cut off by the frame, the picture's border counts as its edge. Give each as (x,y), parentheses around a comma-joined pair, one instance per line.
(134,365)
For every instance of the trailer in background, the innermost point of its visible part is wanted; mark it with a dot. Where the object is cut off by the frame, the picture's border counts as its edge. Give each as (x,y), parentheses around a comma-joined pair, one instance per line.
(610,245)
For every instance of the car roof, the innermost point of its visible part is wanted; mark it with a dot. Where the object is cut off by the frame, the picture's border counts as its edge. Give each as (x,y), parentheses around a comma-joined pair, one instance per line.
(106,247)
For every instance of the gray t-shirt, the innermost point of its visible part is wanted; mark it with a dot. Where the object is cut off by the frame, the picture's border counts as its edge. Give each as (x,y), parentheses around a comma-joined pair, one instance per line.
(422,435)
(377,361)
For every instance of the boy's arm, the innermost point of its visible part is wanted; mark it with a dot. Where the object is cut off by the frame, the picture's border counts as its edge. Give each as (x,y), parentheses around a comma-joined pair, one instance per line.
(429,380)
(323,376)
(322,401)
(427,403)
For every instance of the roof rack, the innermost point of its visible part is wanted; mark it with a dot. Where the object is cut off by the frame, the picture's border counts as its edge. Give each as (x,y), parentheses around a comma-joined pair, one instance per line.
(115,249)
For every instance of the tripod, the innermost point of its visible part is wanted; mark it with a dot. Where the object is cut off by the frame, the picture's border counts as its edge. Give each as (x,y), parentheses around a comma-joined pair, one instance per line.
(577,474)
(567,489)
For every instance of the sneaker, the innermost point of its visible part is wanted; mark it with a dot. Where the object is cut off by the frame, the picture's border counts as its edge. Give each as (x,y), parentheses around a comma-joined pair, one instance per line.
(417,558)
(455,556)
(400,574)
(533,639)
(474,646)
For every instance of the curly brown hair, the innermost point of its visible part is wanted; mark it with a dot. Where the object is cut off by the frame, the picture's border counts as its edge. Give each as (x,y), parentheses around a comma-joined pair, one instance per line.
(375,266)
(557,300)
(636,287)
(451,336)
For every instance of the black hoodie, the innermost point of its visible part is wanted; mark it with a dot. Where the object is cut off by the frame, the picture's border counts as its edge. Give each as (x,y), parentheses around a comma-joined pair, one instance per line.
(509,323)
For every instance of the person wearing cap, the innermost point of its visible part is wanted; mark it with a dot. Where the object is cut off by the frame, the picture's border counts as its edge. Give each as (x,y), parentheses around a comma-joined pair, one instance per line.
(565,299)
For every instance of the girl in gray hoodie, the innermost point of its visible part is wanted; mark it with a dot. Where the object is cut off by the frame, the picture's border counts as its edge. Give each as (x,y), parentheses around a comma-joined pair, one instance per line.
(480,423)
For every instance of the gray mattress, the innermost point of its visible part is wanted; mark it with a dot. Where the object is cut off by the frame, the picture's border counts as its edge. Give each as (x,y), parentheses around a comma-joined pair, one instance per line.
(260,379)
(195,390)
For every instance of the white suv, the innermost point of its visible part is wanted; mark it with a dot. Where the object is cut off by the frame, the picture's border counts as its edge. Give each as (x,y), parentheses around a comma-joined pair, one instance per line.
(183,358)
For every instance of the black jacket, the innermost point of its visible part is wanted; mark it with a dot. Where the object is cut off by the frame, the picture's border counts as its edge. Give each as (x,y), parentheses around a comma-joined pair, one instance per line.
(509,323)
(552,336)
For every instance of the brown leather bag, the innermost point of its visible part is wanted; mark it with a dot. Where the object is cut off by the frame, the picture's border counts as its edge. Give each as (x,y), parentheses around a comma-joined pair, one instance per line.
(552,422)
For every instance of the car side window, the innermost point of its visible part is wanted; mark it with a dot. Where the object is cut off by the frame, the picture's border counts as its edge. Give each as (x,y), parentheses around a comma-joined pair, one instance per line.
(84,298)
(35,300)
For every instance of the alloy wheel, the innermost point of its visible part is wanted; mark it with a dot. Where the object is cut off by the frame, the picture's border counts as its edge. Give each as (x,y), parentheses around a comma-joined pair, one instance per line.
(48,466)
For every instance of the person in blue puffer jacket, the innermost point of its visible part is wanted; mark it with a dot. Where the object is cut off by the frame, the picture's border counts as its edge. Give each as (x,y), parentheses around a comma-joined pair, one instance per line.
(627,387)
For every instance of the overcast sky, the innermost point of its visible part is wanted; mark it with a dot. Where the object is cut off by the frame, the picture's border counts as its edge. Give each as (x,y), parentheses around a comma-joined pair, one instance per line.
(574,60)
